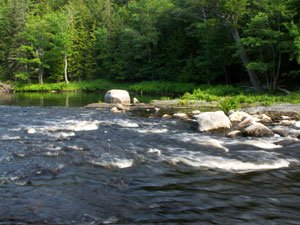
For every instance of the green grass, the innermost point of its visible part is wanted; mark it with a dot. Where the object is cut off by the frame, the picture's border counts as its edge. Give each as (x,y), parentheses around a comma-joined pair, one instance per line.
(104,85)
(230,97)
(162,87)
(95,85)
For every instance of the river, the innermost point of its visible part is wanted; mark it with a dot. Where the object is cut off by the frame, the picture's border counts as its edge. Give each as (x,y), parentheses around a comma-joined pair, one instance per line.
(71,165)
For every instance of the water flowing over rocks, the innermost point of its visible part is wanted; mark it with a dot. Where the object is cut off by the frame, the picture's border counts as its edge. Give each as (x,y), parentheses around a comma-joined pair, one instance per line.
(208,121)
(117,96)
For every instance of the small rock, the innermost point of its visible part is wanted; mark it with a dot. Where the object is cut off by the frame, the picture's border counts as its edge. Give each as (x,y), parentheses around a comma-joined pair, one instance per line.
(156,109)
(257,130)
(166,116)
(180,115)
(245,122)
(115,110)
(196,112)
(265,119)
(120,107)
(281,131)
(286,117)
(238,116)
(287,122)
(233,133)
(135,101)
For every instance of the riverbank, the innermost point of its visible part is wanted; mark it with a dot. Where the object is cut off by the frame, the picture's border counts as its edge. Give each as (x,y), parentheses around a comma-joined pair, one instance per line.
(226,97)
(147,87)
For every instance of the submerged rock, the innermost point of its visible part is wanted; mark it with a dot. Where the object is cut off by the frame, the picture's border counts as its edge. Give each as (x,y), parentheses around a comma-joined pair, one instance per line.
(257,130)
(117,96)
(212,121)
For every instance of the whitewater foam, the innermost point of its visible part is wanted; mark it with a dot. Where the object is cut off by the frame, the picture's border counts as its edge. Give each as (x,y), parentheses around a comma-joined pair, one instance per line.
(10,137)
(114,163)
(68,125)
(231,165)
(154,151)
(153,131)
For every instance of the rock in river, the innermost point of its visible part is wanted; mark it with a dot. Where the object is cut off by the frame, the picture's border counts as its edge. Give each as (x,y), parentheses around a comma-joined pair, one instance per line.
(212,121)
(257,130)
(117,96)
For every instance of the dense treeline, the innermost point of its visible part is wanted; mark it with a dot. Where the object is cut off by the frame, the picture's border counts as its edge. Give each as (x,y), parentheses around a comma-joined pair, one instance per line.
(200,41)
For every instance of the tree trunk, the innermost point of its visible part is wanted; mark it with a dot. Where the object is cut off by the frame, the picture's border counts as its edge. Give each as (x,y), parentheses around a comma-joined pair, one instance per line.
(41,75)
(244,57)
(66,65)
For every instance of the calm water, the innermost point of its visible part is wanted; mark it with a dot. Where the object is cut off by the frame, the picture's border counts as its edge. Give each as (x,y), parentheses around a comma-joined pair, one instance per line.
(70,165)
(68,99)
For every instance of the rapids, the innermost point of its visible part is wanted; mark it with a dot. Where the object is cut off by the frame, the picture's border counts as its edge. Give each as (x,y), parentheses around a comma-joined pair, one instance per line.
(71,165)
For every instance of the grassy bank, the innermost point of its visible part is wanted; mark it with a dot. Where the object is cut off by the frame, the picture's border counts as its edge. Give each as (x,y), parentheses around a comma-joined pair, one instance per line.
(229,97)
(153,87)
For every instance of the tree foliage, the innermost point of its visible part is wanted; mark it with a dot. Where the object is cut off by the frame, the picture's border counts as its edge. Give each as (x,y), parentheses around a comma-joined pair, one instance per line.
(202,41)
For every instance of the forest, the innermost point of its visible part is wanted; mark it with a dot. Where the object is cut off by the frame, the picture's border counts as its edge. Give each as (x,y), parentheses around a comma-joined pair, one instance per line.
(247,42)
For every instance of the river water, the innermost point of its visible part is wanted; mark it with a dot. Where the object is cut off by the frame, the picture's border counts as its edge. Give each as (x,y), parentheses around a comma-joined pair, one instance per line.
(71,165)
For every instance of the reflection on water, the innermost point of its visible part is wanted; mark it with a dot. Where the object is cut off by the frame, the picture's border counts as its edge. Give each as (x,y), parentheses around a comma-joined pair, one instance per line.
(69,99)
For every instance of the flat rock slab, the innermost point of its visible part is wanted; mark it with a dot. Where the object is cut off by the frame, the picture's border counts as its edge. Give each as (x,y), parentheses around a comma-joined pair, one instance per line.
(99,105)
(286,108)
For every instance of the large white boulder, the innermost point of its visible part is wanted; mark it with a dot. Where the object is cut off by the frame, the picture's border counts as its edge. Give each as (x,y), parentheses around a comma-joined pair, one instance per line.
(212,121)
(117,96)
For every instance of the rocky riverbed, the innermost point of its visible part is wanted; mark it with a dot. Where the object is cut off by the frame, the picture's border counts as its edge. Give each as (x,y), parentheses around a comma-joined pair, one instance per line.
(262,121)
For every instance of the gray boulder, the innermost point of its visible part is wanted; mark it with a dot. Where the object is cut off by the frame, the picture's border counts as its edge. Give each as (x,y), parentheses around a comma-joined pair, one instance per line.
(212,121)
(256,129)
(117,96)
(281,131)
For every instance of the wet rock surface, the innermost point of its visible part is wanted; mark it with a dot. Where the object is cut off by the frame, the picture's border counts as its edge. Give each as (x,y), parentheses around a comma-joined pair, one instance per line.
(257,130)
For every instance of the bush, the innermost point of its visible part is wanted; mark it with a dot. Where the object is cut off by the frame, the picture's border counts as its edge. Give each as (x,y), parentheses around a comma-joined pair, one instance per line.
(229,103)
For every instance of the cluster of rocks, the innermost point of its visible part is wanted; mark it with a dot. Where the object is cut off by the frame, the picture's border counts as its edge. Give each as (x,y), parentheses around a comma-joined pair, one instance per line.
(243,124)
(239,123)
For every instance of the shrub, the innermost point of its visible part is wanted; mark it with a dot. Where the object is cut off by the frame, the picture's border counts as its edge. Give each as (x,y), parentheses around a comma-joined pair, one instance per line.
(229,103)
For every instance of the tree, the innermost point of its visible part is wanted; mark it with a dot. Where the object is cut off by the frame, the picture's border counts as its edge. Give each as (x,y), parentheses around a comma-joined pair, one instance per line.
(230,13)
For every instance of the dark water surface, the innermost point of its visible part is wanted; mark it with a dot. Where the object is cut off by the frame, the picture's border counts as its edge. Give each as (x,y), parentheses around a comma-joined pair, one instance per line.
(70,165)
